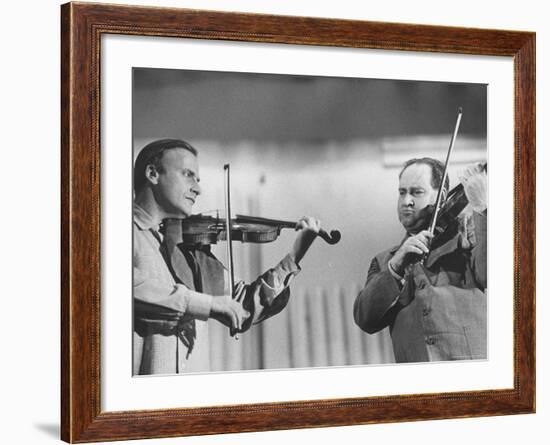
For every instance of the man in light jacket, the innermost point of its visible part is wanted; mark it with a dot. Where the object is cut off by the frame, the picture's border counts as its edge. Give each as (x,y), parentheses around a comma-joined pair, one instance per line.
(176,290)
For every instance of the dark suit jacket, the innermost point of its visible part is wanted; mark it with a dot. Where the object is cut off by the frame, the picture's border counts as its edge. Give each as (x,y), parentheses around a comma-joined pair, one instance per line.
(440,311)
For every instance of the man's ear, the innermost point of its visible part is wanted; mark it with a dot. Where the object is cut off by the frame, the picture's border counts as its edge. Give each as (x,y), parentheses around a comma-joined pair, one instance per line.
(151,174)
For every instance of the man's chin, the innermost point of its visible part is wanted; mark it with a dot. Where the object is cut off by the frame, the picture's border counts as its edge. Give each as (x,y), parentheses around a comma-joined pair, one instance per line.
(180,214)
(410,224)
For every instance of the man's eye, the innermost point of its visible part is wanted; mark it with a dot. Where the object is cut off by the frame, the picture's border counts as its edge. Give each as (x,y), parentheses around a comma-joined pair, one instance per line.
(190,175)
(418,192)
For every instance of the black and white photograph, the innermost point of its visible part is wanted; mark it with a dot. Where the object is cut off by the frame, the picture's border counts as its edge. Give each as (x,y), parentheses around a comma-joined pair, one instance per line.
(242,222)
(292,221)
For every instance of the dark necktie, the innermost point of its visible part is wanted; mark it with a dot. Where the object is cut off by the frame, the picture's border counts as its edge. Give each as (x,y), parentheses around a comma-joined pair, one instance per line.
(186,330)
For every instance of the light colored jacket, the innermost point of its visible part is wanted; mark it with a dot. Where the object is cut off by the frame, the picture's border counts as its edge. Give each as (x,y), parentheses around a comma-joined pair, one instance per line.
(171,303)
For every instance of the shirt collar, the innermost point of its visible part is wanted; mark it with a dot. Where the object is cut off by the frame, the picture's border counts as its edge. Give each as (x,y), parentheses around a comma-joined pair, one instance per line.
(143,219)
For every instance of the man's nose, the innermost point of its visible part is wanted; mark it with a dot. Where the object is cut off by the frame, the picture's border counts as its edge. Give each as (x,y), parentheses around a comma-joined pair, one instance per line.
(408,201)
(196,188)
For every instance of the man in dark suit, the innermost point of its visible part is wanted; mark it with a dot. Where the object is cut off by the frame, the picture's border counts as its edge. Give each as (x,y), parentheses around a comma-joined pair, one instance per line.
(436,309)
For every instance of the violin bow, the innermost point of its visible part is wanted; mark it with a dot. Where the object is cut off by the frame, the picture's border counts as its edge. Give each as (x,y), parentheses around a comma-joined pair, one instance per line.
(445,173)
(228,230)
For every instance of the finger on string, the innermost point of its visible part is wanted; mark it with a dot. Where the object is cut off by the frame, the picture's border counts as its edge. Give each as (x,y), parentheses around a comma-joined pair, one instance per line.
(423,238)
(422,247)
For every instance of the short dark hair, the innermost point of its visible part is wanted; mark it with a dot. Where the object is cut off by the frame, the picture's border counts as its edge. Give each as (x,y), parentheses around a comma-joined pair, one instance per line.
(437,167)
(152,154)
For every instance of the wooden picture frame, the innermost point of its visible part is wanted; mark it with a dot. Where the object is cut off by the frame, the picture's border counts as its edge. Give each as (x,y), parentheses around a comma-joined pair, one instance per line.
(82,26)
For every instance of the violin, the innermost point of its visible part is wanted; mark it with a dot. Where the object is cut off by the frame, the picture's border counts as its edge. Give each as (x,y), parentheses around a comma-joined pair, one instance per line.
(446,226)
(203,230)
(441,219)
(447,222)
(198,231)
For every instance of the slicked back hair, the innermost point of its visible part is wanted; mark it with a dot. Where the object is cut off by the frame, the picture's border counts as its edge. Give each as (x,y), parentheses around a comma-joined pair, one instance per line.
(152,154)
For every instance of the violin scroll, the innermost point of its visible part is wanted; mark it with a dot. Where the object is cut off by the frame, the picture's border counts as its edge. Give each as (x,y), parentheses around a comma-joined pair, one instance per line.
(331,238)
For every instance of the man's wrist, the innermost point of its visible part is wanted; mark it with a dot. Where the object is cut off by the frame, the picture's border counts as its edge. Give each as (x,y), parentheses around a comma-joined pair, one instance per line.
(394,270)
(399,278)
(199,305)
(396,266)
